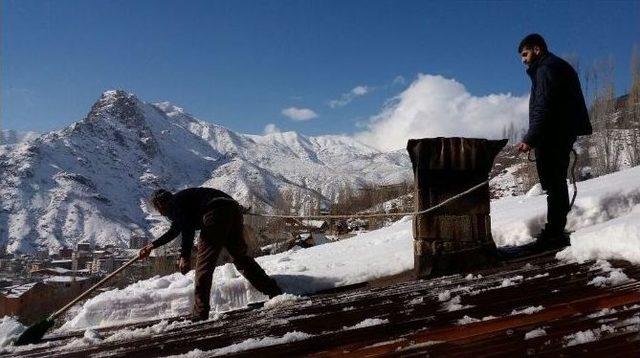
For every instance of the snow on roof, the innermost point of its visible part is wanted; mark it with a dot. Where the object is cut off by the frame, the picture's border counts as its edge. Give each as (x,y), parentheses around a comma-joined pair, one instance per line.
(64,261)
(17,290)
(305,236)
(64,278)
(314,223)
(62,271)
(358,259)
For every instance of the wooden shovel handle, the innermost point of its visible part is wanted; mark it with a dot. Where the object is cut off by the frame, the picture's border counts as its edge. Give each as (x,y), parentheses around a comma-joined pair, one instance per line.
(93,288)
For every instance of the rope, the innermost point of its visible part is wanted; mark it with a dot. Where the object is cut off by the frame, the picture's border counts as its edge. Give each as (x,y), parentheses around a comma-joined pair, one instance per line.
(573,175)
(413,213)
(573,178)
(373,215)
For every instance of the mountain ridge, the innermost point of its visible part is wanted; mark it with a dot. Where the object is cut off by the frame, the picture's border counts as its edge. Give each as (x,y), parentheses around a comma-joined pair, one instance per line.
(89,181)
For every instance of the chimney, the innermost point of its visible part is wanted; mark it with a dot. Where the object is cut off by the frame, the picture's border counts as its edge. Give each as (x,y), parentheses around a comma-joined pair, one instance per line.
(456,237)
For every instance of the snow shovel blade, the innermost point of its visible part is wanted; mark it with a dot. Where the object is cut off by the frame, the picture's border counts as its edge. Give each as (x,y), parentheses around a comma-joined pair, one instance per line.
(34,333)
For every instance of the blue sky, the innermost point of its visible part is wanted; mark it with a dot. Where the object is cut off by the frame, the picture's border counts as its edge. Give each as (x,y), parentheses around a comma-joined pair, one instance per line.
(241,63)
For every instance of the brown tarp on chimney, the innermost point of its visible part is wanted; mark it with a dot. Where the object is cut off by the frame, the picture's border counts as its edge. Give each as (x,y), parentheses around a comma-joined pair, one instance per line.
(456,237)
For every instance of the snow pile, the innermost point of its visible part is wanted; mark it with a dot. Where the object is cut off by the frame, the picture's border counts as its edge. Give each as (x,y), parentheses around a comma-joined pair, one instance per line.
(90,337)
(285,299)
(298,272)
(538,332)
(615,238)
(540,275)
(157,297)
(602,312)
(253,343)
(10,330)
(511,281)
(614,276)
(632,324)
(590,335)
(535,190)
(607,206)
(368,323)
(529,310)
(581,337)
(466,320)
(128,334)
(453,304)
(444,296)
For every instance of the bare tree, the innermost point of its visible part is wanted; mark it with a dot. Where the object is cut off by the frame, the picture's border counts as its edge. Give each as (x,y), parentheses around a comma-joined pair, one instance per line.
(632,117)
(603,115)
(511,133)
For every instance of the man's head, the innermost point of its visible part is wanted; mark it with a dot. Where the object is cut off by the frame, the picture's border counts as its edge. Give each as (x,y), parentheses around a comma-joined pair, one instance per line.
(161,201)
(531,48)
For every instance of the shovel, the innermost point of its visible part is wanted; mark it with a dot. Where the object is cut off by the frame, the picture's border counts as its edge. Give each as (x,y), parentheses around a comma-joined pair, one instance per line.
(34,333)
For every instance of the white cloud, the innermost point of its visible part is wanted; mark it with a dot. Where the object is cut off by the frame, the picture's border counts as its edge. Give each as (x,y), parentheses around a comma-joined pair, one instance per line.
(346,98)
(299,114)
(434,106)
(360,91)
(399,80)
(271,128)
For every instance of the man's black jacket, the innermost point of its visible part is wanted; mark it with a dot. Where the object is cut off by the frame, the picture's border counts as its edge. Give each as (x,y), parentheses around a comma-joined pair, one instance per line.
(557,111)
(186,210)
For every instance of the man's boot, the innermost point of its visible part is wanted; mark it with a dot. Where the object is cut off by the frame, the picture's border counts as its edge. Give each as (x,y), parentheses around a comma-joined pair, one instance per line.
(197,317)
(549,239)
(273,289)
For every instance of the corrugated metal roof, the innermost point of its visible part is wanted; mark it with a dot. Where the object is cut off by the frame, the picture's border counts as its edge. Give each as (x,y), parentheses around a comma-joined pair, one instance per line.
(542,307)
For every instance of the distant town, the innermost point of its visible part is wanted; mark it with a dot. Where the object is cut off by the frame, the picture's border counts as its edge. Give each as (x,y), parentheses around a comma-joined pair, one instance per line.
(33,286)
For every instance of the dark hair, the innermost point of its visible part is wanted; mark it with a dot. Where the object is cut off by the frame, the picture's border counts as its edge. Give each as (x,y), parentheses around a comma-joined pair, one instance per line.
(160,197)
(532,40)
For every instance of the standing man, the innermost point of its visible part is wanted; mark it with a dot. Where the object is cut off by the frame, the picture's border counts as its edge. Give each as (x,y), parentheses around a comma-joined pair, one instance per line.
(219,219)
(557,115)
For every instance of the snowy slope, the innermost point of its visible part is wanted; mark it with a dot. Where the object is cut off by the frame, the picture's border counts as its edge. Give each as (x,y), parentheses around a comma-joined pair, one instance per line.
(89,180)
(606,219)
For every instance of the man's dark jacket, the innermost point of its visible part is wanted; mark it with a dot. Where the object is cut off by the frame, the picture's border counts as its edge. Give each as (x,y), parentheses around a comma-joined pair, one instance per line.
(557,111)
(187,208)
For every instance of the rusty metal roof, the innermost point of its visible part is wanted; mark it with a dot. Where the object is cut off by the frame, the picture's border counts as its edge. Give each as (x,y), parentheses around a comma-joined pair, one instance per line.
(540,307)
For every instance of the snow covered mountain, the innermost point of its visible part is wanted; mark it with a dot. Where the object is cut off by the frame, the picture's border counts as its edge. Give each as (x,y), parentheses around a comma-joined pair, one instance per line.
(89,181)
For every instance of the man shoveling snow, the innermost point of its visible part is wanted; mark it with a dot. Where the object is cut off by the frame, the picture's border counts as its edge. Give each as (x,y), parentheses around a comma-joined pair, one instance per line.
(219,219)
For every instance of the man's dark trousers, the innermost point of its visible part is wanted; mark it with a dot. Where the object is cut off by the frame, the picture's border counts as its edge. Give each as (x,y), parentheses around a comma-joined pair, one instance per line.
(223,228)
(552,162)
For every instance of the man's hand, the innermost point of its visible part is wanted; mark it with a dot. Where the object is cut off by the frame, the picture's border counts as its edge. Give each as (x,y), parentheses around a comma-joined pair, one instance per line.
(523,147)
(145,251)
(185,265)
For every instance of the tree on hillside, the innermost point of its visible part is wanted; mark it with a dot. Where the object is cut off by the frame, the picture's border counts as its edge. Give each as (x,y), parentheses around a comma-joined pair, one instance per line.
(512,133)
(603,117)
(632,117)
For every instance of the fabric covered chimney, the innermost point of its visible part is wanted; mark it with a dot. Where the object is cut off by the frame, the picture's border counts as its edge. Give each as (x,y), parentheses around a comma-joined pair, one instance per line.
(456,237)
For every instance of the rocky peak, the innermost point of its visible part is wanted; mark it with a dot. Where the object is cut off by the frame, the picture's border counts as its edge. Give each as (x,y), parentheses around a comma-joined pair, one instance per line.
(119,105)
(120,114)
